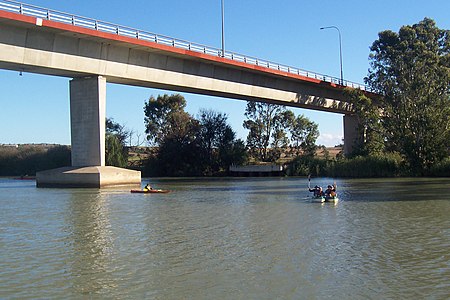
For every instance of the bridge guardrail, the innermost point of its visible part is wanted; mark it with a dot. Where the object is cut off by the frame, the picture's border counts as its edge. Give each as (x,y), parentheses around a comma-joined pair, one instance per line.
(62,17)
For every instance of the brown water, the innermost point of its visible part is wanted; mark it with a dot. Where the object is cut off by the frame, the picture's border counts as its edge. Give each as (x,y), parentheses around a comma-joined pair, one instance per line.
(227,239)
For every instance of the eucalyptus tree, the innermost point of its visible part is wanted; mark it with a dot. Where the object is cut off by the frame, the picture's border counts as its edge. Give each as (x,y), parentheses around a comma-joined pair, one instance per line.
(304,134)
(163,117)
(176,133)
(263,122)
(411,70)
(274,130)
(213,127)
(219,141)
(370,138)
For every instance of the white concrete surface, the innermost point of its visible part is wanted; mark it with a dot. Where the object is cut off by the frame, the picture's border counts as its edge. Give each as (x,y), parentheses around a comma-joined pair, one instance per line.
(87,120)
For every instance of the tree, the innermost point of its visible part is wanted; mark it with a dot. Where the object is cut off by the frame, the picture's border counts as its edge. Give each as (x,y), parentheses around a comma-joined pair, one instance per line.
(219,141)
(161,114)
(263,122)
(177,135)
(116,151)
(411,70)
(232,151)
(304,134)
(280,138)
(213,127)
(116,154)
(118,130)
(370,129)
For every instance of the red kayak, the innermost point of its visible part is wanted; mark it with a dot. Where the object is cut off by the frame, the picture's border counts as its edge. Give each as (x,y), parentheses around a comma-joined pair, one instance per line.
(152,191)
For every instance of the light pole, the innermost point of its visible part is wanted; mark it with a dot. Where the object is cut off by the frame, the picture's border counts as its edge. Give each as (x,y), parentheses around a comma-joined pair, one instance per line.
(223,29)
(340,50)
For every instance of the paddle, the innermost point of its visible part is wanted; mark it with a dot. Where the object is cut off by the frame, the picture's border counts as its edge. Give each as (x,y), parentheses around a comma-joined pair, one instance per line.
(309,181)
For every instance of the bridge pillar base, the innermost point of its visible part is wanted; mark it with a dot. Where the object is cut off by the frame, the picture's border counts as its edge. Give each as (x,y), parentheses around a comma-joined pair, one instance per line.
(88,177)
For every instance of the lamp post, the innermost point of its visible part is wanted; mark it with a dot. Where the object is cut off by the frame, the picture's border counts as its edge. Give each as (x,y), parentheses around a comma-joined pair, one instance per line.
(223,29)
(340,49)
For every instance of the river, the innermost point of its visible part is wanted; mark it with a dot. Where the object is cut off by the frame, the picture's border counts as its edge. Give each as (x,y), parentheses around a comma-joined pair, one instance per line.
(235,238)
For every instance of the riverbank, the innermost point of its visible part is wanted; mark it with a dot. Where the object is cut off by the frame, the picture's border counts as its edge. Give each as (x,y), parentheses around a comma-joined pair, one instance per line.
(25,160)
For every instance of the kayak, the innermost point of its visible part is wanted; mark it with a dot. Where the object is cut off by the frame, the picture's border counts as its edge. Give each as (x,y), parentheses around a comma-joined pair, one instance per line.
(152,191)
(321,199)
(318,199)
(331,199)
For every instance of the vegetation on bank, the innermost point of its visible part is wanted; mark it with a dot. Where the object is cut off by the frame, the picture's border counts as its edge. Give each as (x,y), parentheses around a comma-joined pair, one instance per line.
(26,160)
(404,128)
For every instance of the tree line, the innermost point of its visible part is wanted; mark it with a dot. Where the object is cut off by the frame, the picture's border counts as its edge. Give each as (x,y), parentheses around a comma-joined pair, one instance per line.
(207,145)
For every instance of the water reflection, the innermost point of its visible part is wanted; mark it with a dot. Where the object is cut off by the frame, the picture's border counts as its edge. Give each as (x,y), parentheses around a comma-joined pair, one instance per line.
(91,242)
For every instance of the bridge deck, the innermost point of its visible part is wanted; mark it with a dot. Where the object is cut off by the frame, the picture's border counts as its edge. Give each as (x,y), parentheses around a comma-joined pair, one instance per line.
(156,41)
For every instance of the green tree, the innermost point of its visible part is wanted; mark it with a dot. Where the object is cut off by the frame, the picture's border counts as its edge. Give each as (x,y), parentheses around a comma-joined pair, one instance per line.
(116,150)
(370,129)
(162,115)
(219,141)
(304,134)
(263,123)
(213,127)
(411,70)
(116,153)
(280,134)
(232,151)
(177,135)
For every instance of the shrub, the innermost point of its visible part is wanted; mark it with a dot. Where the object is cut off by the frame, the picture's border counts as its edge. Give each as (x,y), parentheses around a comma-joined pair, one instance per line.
(441,169)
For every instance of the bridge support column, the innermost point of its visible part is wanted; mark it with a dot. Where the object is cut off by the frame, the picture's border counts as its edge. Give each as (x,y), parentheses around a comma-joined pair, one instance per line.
(350,133)
(87,121)
(87,118)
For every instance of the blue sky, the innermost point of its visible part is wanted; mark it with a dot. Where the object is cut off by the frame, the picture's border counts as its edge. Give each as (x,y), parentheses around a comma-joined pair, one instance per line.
(35,108)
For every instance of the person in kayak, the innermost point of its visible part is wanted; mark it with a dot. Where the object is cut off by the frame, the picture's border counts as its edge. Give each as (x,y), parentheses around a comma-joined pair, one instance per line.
(147,187)
(317,190)
(331,191)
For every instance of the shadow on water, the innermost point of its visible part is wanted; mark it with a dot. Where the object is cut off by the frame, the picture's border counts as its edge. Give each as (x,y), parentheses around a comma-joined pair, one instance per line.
(357,190)
(395,189)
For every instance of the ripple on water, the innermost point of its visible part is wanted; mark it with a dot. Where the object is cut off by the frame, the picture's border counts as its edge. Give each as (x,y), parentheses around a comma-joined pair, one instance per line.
(234,239)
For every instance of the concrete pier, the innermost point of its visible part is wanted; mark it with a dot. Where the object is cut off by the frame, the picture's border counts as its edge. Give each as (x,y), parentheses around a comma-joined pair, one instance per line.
(87,115)
(351,134)
(87,120)
(88,177)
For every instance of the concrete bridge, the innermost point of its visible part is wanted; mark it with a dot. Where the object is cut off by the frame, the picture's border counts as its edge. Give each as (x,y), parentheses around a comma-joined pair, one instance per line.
(92,52)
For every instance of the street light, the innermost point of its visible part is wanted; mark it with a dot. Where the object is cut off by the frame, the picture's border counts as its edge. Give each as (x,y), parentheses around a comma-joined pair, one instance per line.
(223,29)
(340,50)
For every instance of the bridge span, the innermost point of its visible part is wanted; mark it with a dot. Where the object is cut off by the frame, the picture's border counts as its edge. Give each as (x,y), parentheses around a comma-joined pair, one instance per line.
(92,52)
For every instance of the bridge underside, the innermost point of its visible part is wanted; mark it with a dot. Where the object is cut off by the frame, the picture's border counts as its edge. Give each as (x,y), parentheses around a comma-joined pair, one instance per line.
(64,50)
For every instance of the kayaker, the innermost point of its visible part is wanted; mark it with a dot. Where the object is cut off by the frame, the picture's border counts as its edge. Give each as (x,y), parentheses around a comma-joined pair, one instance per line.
(331,191)
(317,190)
(147,187)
